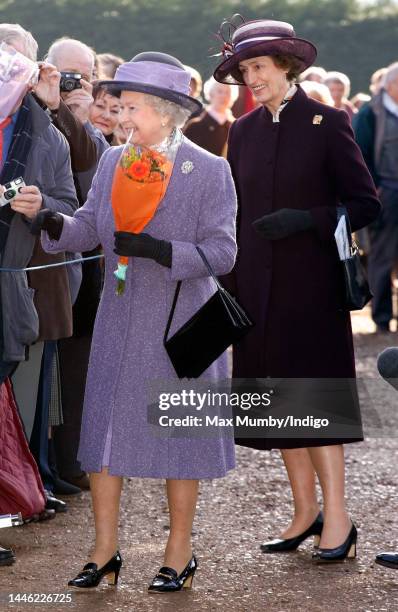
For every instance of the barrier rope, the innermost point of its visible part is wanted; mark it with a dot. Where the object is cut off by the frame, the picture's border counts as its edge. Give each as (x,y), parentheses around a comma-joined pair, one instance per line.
(54,265)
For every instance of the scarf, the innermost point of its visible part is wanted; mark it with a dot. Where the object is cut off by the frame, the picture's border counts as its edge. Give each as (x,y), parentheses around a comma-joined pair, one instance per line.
(289,95)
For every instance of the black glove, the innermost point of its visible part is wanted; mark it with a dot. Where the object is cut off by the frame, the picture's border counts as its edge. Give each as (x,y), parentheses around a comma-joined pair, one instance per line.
(50,221)
(283,223)
(143,245)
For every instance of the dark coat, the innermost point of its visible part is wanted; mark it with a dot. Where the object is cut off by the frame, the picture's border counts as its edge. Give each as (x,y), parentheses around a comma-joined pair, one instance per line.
(48,167)
(369,127)
(292,288)
(207,133)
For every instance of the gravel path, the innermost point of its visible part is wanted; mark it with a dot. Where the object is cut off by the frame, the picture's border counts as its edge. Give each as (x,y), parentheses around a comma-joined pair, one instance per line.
(234,516)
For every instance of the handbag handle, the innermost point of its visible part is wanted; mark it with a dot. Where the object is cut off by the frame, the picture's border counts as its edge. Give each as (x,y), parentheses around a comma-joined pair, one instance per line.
(177,291)
(210,269)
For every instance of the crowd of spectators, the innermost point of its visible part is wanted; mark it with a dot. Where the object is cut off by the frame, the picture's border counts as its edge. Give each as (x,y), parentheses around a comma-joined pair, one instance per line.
(55,139)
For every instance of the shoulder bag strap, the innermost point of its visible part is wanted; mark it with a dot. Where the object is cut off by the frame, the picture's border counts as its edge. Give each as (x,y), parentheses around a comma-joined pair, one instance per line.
(177,291)
(210,269)
(173,307)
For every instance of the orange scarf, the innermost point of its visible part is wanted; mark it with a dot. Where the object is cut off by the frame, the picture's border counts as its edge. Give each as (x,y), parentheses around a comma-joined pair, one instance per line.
(139,185)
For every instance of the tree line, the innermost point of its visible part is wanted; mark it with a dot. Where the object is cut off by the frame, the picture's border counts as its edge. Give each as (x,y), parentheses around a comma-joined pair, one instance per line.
(350,36)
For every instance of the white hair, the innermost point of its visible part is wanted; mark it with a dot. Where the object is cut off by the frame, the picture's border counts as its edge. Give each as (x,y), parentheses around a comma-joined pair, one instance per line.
(178,114)
(318,90)
(390,75)
(10,32)
(211,83)
(339,77)
(317,71)
(57,45)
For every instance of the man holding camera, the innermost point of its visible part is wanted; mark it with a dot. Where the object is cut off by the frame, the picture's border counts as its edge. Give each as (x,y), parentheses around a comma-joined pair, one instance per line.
(65,88)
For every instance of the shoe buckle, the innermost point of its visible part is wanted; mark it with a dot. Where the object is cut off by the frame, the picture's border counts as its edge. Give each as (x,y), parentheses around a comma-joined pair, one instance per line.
(165,575)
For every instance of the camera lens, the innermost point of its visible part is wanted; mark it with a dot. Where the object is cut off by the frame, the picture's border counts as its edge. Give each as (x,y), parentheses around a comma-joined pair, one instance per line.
(9,194)
(69,84)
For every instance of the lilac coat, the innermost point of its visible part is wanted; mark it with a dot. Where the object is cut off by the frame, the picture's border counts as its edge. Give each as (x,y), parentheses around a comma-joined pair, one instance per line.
(127,350)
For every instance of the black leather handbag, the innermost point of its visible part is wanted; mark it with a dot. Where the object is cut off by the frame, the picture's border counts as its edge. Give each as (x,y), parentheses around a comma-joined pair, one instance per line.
(219,323)
(357,291)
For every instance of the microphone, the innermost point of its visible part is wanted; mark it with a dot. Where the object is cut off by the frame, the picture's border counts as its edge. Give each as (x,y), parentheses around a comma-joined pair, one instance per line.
(387,364)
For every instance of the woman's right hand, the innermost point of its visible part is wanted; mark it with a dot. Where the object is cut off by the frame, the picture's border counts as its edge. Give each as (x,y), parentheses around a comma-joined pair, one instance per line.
(49,221)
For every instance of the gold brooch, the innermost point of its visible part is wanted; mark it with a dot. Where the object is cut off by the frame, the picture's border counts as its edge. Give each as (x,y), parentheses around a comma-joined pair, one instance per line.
(317,120)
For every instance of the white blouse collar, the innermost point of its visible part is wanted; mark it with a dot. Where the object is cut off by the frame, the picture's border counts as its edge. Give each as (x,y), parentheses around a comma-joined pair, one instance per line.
(289,95)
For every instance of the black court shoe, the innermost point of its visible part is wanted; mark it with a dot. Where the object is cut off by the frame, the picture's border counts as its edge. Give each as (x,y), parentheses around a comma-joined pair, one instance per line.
(388,560)
(7,556)
(347,550)
(167,580)
(91,576)
(279,545)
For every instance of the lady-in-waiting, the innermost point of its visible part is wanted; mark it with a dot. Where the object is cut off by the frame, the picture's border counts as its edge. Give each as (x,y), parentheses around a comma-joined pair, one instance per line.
(294,160)
(198,208)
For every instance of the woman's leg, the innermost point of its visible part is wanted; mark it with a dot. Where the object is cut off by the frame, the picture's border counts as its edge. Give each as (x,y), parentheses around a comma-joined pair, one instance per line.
(328,462)
(182,497)
(301,473)
(105,493)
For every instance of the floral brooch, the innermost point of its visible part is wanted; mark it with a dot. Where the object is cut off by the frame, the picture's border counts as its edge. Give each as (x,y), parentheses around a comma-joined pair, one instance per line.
(187,167)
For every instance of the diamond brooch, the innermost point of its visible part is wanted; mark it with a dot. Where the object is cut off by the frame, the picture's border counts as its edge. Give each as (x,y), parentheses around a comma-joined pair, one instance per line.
(186,167)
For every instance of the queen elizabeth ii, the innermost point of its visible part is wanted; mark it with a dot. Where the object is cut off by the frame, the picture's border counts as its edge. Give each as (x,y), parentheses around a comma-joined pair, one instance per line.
(197,209)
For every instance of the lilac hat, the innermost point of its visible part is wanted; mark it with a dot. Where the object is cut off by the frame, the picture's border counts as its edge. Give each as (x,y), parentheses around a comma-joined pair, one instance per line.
(261,37)
(157,74)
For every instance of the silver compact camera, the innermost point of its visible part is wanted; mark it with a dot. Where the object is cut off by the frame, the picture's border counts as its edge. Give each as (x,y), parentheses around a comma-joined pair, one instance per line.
(11,190)
(10,520)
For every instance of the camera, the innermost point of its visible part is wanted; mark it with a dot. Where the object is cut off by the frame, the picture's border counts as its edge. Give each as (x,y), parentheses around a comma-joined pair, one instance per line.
(11,190)
(70,81)
(11,520)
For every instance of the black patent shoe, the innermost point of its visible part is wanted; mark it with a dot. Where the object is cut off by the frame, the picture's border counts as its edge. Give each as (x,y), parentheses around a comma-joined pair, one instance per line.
(347,550)
(91,576)
(279,545)
(7,556)
(388,560)
(167,580)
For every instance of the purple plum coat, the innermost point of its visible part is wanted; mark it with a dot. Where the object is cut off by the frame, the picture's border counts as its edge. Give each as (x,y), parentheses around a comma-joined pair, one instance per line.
(127,350)
(292,288)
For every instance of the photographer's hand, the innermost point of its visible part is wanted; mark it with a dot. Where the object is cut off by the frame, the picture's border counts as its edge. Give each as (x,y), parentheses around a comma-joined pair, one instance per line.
(80,100)
(47,88)
(28,202)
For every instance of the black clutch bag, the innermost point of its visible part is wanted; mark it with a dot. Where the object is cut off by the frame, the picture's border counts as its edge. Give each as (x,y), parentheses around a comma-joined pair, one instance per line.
(219,323)
(357,291)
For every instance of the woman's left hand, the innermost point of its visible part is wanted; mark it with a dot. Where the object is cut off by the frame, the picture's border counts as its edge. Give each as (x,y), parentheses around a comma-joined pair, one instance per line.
(129,244)
(283,223)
